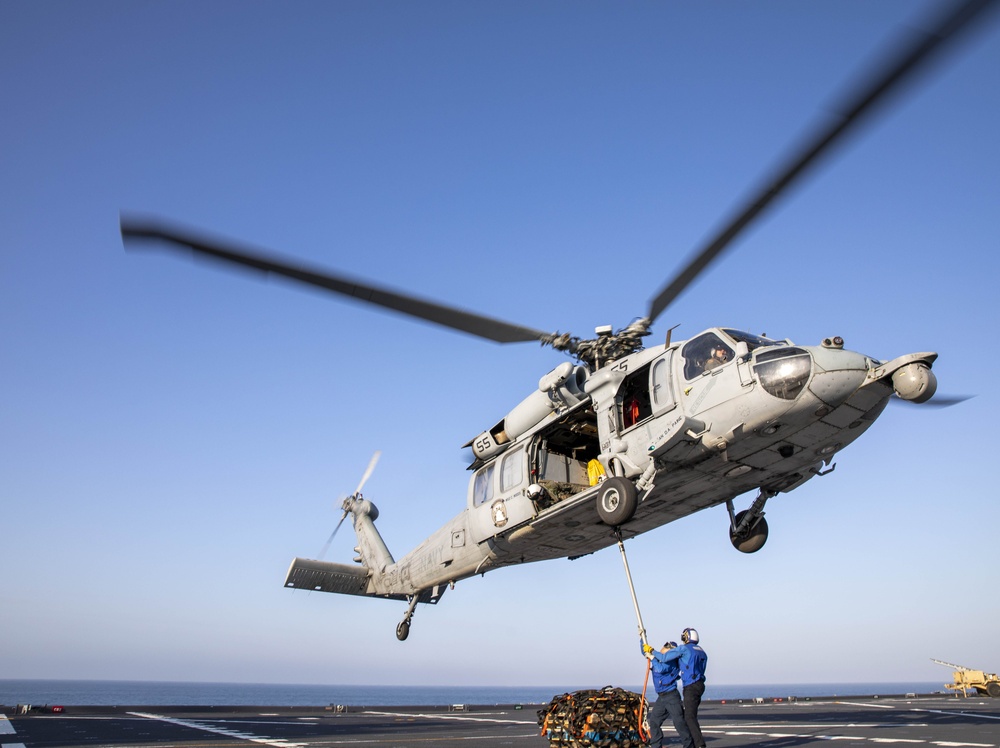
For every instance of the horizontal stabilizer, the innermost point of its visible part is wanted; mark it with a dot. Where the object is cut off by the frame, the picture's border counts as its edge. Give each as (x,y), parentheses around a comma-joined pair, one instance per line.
(325,576)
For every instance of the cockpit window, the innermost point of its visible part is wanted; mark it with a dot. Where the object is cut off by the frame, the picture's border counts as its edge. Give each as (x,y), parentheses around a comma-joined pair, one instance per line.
(753,341)
(704,353)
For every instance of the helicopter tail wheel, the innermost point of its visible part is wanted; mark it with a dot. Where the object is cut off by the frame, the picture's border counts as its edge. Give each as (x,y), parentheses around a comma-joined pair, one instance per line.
(617,501)
(752,539)
(403,629)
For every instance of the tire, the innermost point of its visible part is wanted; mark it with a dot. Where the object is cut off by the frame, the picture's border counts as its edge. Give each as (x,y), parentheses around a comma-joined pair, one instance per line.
(617,501)
(752,541)
(993,689)
(403,630)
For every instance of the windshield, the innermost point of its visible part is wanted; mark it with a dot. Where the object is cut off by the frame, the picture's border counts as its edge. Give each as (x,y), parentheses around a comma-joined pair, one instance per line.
(752,341)
(705,353)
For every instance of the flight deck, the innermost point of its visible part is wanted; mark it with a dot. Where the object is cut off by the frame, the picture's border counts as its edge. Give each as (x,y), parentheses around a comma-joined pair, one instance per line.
(934,721)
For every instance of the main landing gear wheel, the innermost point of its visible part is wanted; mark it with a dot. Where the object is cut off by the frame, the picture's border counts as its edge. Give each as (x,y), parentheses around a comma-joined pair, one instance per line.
(753,539)
(617,501)
(403,630)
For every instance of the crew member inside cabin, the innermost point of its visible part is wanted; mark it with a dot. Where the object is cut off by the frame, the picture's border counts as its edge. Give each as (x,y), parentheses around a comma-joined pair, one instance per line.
(719,356)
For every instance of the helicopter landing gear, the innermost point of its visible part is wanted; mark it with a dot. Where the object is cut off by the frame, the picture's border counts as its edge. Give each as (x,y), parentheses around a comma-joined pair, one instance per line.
(617,501)
(403,629)
(753,539)
(748,529)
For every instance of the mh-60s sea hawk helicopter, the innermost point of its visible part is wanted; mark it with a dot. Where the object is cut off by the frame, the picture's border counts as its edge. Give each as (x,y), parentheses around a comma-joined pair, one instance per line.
(627,438)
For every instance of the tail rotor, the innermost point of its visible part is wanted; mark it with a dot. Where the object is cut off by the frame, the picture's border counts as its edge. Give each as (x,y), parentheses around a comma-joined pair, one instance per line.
(346,503)
(368,474)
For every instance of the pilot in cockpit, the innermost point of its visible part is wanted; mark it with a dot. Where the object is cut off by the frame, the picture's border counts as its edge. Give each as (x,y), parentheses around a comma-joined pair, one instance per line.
(720,354)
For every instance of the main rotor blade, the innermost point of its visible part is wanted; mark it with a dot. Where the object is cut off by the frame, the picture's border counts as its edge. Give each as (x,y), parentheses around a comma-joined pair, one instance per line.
(901,66)
(368,472)
(138,231)
(937,401)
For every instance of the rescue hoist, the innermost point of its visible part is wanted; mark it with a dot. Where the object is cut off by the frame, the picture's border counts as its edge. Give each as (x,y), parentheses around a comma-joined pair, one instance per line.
(642,631)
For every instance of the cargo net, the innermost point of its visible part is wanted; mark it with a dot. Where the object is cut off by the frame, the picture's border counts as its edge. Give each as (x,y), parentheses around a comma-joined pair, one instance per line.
(607,718)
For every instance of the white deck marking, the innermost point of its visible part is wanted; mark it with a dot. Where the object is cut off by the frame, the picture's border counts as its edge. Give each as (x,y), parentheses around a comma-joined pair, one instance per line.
(454,716)
(926,711)
(895,740)
(870,706)
(760,729)
(197,725)
(6,728)
(834,737)
(810,726)
(959,714)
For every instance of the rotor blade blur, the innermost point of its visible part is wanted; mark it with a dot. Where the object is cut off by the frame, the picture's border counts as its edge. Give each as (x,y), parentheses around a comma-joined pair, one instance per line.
(135,232)
(937,401)
(368,472)
(329,540)
(901,66)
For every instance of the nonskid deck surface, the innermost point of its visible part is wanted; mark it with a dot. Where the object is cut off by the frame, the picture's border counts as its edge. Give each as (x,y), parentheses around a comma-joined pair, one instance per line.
(935,721)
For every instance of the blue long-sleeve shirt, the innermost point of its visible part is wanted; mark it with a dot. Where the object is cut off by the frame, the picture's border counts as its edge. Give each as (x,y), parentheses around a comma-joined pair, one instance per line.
(691,659)
(665,675)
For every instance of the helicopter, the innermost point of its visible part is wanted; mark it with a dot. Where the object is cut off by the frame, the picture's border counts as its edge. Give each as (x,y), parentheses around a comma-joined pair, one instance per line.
(625,437)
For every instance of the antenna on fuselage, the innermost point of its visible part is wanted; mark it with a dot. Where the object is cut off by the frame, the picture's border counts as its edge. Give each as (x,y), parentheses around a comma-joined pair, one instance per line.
(670,332)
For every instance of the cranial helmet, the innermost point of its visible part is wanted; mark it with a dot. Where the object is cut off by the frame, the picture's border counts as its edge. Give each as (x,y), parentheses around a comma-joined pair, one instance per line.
(670,645)
(689,636)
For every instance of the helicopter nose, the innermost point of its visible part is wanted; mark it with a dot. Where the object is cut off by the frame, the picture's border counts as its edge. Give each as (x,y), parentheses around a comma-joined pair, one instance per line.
(837,374)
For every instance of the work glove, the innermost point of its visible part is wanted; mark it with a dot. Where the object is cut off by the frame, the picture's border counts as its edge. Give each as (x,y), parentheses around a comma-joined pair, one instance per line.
(647,650)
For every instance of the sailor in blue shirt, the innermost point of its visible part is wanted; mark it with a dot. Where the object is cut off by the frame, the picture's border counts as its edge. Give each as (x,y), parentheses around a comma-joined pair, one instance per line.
(668,701)
(692,661)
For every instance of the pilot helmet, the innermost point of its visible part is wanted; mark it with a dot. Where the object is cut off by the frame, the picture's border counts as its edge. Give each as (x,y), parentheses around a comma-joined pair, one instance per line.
(689,636)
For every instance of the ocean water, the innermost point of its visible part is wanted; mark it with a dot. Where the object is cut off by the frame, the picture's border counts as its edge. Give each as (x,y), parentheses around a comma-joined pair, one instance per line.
(153,693)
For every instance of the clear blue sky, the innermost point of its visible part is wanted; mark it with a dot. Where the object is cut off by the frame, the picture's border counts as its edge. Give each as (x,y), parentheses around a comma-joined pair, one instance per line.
(171,434)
